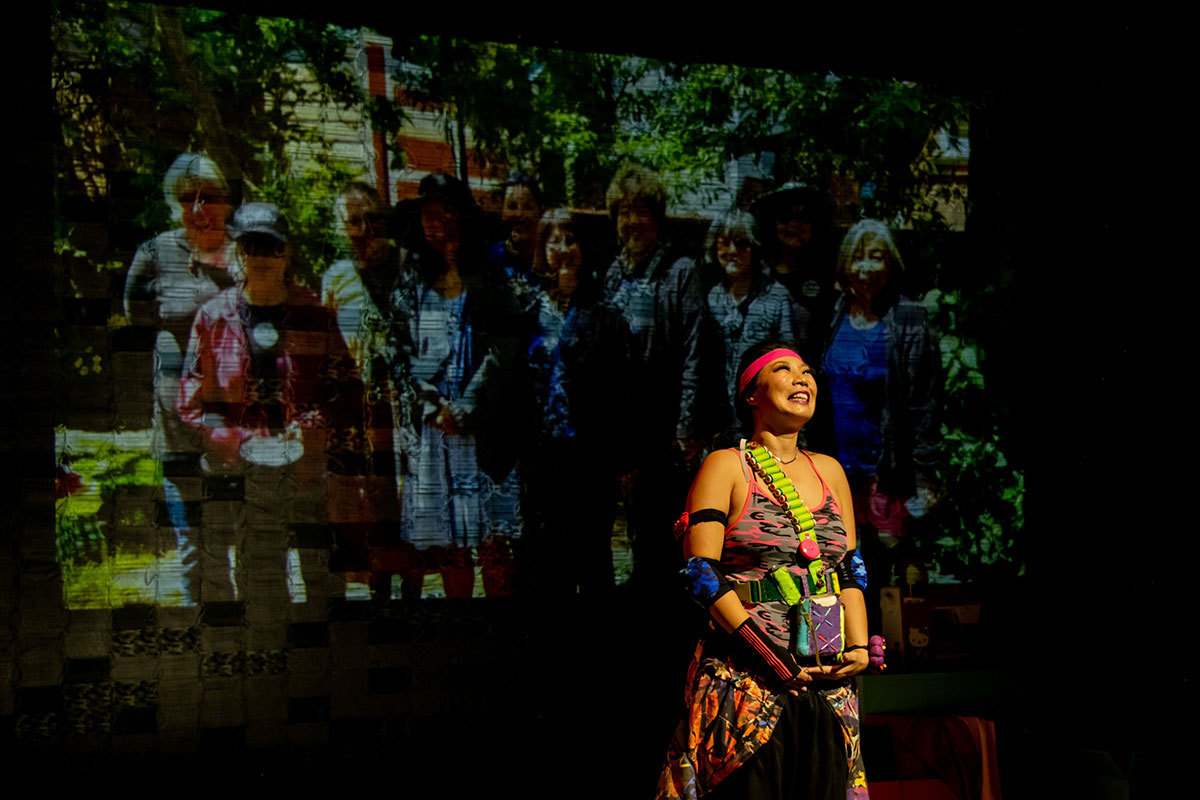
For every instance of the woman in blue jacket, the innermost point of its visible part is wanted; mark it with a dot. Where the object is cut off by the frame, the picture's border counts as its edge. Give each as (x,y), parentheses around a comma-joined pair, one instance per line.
(879,368)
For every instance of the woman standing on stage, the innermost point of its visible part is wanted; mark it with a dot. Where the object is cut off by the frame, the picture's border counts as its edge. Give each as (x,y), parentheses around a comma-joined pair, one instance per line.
(769,541)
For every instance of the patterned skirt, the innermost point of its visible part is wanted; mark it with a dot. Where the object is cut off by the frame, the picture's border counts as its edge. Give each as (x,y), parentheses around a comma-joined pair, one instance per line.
(731,717)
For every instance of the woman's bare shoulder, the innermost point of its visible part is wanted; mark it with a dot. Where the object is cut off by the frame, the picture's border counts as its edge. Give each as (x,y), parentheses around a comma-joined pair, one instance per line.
(727,456)
(716,484)
(720,464)
(828,466)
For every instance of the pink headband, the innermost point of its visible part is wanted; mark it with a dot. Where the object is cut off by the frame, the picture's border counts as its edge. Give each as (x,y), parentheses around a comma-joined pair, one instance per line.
(762,361)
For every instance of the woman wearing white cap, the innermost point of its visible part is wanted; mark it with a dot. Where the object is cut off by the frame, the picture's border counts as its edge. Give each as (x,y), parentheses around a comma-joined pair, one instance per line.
(270,386)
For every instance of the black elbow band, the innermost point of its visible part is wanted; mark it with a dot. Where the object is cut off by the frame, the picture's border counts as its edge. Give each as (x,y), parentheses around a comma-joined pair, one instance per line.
(778,661)
(704,580)
(690,518)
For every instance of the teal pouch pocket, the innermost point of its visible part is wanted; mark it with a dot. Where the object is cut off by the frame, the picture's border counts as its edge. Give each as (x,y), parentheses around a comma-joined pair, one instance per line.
(804,634)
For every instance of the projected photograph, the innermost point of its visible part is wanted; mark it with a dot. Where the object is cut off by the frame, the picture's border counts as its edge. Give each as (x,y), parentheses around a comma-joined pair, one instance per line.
(378,315)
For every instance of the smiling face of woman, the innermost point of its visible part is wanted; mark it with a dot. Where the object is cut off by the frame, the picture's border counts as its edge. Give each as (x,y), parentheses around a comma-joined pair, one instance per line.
(785,394)
(732,249)
(264,260)
(205,210)
(868,273)
(637,228)
(563,256)
(439,223)
(520,215)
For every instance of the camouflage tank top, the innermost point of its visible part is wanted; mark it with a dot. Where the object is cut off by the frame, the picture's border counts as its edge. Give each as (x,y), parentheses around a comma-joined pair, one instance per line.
(760,538)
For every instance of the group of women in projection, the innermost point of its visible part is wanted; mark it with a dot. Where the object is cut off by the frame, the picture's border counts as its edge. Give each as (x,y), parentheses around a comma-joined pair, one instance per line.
(461,389)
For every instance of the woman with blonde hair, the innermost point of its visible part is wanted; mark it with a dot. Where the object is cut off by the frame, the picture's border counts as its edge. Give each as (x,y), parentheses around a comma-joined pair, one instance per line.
(172,275)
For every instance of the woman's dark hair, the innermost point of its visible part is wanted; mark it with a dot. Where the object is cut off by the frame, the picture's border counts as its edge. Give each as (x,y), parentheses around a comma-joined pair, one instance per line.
(776,206)
(456,195)
(522,179)
(744,411)
(446,188)
(590,288)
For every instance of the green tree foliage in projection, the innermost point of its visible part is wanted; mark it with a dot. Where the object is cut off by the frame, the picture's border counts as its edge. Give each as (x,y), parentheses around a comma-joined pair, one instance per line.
(137,84)
(570,117)
(550,112)
(687,119)
(974,530)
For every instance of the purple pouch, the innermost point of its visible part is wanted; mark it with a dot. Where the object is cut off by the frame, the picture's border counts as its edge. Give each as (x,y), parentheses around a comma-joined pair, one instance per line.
(820,627)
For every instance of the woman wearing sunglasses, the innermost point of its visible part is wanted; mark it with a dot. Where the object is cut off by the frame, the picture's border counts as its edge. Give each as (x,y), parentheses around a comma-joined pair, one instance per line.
(172,275)
(270,386)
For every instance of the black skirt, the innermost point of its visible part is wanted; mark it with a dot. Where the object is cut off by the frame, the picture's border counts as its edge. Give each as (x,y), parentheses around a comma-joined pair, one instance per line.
(805,758)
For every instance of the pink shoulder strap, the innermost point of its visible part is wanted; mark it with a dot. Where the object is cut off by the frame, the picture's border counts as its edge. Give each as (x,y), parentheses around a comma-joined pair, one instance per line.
(824,486)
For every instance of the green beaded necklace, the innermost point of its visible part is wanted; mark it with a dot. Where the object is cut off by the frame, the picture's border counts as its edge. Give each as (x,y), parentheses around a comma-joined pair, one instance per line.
(786,494)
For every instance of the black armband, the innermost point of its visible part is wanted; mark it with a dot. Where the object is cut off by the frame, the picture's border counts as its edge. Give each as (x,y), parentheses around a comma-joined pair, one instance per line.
(688,519)
(704,580)
(851,571)
(778,661)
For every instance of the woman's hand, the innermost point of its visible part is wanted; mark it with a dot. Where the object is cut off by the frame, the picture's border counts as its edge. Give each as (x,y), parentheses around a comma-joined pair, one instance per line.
(445,420)
(799,683)
(922,501)
(853,662)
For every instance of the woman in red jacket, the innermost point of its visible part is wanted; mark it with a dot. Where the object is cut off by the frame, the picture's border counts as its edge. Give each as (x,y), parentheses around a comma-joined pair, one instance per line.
(271,386)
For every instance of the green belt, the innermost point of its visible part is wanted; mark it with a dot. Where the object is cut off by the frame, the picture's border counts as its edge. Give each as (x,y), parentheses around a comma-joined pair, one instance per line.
(765,590)
(760,591)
